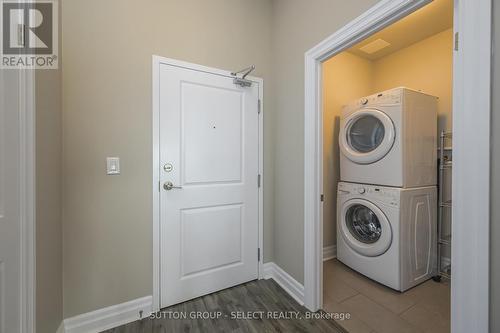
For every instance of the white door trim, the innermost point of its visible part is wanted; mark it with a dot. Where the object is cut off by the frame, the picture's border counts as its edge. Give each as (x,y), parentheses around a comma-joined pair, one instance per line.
(27,161)
(471,167)
(27,186)
(470,270)
(157,61)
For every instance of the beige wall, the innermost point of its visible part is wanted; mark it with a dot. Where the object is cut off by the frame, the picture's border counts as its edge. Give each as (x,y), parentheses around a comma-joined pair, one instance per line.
(297,26)
(495,177)
(49,299)
(107,112)
(107,49)
(346,77)
(48,202)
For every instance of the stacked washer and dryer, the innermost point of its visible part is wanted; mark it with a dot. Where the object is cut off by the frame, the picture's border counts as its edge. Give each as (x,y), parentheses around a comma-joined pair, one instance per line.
(386,203)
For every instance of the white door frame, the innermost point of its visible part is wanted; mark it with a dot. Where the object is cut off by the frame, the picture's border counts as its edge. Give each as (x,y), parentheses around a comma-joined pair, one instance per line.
(28,197)
(27,183)
(157,61)
(471,140)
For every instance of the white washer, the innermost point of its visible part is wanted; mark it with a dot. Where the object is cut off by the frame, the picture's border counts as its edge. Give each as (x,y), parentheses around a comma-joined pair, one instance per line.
(388,234)
(390,138)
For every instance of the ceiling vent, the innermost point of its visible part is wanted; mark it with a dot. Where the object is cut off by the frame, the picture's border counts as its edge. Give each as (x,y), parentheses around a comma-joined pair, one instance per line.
(374,46)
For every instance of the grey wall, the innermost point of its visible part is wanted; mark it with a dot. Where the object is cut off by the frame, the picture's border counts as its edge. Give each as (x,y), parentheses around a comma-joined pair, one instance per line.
(495,176)
(297,26)
(107,48)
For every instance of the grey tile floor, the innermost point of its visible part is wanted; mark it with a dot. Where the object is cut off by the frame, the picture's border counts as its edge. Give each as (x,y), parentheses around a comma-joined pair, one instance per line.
(376,308)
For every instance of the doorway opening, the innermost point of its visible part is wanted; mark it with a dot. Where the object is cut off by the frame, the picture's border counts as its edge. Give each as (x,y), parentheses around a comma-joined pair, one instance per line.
(363,137)
(386,100)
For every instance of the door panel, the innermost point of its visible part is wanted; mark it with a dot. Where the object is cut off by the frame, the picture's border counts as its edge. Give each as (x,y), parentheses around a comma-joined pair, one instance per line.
(223,248)
(209,151)
(213,137)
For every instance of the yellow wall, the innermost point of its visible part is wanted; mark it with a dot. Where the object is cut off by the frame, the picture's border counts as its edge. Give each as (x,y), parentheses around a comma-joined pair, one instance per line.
(426,65)
(345,78)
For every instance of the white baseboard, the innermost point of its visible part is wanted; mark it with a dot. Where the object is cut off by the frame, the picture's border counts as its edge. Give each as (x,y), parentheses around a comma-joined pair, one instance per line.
(109,317)
(329,252)
(285,280)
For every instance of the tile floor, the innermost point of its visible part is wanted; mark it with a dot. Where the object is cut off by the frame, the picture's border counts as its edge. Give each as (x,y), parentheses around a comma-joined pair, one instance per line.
(375,308)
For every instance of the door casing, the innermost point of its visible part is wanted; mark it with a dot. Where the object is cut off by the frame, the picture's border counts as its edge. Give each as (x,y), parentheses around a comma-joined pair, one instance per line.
(27,181)
(157,61)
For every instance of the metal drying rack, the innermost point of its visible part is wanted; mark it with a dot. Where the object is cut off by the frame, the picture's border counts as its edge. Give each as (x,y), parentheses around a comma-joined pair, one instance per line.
(445,163)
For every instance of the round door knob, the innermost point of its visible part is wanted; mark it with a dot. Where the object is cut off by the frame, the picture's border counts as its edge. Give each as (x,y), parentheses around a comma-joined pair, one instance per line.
(361,190)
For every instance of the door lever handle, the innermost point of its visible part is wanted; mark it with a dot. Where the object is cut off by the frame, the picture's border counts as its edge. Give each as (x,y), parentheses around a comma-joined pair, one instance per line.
(167,186)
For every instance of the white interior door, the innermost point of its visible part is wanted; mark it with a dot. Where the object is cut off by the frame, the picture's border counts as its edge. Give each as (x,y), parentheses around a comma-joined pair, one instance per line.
(209,154)
(10,224)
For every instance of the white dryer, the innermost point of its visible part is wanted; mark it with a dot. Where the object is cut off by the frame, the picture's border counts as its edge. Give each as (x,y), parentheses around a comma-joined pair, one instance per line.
(388,234)
(390,138)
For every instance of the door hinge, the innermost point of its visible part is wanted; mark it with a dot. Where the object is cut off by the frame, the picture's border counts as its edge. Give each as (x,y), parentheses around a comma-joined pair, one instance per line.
(322,197)
(456,41)
(258,254)
(259,103)
(258,180)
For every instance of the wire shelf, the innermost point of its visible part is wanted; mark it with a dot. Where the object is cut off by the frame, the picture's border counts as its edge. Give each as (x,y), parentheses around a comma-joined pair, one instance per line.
(445,163)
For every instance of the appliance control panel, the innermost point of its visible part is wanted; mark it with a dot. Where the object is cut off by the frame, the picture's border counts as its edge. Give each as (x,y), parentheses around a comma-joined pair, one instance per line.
(393,96)
(387,195)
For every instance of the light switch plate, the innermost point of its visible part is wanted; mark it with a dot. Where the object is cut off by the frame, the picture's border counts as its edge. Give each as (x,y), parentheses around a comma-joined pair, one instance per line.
(113,165)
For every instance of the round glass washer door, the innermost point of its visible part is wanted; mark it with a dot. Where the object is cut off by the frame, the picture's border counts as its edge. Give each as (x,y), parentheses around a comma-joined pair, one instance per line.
(365,228)
(366,136)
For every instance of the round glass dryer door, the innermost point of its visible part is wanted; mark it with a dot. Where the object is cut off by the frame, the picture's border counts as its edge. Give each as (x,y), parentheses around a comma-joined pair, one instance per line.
(365,228)
(366,136)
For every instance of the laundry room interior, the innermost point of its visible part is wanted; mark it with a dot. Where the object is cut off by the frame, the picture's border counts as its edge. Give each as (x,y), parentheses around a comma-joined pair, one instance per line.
(411,57)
